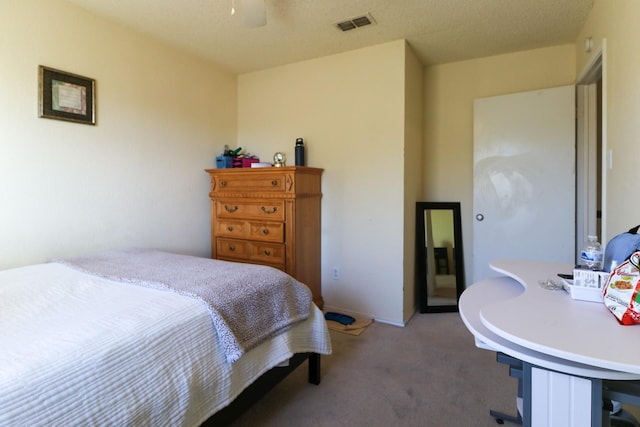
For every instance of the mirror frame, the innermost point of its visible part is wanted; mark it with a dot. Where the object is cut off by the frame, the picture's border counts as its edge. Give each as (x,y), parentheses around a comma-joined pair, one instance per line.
(421,252)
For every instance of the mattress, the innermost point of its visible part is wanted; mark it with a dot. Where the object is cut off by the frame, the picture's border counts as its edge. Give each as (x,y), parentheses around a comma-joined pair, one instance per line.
(77,349)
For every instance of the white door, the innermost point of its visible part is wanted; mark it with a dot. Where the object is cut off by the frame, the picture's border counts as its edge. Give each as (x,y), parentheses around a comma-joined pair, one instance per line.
(524,178)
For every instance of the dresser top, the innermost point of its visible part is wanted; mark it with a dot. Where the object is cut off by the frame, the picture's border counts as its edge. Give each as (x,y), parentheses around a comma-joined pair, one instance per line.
(273,169)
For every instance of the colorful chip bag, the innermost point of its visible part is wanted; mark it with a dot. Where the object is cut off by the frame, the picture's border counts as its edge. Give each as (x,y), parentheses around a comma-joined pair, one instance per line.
(621,291)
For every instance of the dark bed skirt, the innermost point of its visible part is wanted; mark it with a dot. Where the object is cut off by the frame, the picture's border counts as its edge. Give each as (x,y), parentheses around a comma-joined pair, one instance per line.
(262,386)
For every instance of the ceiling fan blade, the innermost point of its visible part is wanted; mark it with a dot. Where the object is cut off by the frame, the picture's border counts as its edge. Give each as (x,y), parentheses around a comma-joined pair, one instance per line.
(254,12)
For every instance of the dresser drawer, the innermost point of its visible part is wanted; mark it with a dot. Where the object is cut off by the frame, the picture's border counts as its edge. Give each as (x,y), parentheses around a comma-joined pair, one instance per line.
(231,248)
(250,181)
(270,210)
(242,250)
(229,228)
(270,253)
(252,230)
(267,231)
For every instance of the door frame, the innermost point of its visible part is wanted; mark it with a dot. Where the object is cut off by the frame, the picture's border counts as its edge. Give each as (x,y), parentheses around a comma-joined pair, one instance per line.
(591,164)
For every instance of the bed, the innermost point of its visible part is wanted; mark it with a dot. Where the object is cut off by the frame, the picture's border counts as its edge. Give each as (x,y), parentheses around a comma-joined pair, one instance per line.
(86,346)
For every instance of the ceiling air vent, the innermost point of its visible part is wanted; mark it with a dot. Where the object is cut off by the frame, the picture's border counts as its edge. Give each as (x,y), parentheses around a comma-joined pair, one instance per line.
(358,22)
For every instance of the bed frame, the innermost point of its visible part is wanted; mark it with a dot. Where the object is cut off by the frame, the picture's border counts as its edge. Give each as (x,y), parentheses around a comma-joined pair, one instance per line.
(262,386)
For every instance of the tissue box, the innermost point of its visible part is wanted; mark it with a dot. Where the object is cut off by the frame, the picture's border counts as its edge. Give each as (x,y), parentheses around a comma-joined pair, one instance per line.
(223,162)
(589,278)
(582,293)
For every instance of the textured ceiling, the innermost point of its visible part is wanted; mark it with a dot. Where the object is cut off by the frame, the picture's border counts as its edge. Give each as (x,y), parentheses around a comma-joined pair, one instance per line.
(439,31)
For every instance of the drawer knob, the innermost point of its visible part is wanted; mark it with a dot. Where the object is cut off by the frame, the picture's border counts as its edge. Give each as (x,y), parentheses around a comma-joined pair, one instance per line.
(269,211)
(265,231)
(231,209)
(267,252)
(274,183)
(232,248)
(223,183)
(230,228)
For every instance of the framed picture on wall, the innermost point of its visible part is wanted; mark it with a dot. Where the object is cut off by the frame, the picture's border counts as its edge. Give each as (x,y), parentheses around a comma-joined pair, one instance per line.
(66,96)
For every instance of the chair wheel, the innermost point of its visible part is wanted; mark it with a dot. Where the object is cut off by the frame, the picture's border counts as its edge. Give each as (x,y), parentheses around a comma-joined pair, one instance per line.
(499,421)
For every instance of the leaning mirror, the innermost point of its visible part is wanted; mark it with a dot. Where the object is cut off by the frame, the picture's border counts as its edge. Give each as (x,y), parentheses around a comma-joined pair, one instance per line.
(439,263)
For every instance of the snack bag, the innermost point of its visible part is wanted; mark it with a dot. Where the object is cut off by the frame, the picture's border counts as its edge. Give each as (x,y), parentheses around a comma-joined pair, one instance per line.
(621,291)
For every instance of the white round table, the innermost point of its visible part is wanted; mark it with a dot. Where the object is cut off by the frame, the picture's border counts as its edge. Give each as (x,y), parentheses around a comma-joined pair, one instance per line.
(571,345)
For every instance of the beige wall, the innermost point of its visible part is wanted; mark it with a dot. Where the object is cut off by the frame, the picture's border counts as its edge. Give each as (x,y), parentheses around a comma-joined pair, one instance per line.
(135,179)
(449,91)
(617,22)
(350,109)
(413,184)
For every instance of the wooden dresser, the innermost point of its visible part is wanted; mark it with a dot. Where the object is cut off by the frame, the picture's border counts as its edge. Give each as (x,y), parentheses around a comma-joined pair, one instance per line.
(269,216)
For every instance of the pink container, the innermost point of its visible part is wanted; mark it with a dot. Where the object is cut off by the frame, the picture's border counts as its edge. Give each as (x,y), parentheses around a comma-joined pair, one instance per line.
(246,162)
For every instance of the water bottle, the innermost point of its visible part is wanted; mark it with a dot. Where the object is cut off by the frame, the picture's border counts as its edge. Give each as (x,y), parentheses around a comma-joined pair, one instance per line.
(592,255)
(299,152)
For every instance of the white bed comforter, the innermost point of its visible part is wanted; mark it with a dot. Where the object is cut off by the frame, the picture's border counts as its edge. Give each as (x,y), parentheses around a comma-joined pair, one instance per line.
(248,303)
(80,350)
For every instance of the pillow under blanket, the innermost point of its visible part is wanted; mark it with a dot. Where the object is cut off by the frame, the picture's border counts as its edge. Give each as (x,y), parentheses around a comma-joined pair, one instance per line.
(248,303)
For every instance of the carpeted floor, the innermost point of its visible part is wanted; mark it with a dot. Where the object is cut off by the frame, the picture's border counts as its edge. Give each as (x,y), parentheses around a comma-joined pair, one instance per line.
(427,374)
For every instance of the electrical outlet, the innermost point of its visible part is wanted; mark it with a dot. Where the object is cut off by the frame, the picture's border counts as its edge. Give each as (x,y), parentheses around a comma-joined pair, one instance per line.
(335,273)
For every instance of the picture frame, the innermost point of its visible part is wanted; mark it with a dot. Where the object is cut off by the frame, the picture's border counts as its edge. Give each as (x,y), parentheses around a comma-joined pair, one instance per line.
(66,96)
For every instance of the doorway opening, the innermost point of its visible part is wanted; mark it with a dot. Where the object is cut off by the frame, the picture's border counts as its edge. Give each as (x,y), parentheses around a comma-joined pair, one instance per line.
(591,160)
